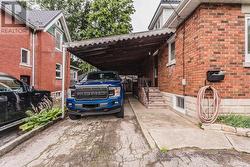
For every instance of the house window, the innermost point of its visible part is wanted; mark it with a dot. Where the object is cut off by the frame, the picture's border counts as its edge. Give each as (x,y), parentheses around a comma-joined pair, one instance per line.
(58,71)
(179,104)
(247,39)
(25,56)
(171,51)
(59,38)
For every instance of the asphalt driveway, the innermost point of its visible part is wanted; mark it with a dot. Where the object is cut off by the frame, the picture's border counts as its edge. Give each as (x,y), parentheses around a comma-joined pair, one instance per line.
(109,141)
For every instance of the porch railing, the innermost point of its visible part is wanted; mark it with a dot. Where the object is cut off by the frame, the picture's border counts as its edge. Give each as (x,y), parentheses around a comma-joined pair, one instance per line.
(145,83)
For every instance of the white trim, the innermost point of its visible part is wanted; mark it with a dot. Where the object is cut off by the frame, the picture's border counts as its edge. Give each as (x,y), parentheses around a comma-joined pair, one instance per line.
(247,50)
(52,22)
(158,12)
(186,7)
(61,40)
(25,65)
(61,71)
(28,58)
(76,68)
(64,25)
(63,81)
(33,58)
(170,42)
(246,64)
(66,29)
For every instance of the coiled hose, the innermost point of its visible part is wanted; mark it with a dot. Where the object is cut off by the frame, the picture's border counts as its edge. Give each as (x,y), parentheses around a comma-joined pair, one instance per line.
(208,113)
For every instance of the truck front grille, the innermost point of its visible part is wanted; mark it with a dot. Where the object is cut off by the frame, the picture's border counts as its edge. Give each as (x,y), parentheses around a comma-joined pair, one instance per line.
(91,93)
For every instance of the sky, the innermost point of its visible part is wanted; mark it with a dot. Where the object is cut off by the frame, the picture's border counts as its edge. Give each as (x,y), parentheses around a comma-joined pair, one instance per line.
(145,10)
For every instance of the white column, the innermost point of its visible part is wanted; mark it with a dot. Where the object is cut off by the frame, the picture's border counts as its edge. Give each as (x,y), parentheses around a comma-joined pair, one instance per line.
(63,81)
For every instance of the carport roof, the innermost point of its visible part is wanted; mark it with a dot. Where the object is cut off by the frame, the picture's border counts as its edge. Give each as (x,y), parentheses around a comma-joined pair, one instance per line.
(122,53)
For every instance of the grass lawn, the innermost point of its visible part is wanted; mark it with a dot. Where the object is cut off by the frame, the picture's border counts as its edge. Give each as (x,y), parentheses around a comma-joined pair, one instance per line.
(238,121)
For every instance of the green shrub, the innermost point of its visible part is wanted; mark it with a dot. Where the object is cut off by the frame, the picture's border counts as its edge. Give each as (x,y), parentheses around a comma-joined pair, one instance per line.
(35,120)
(235,120)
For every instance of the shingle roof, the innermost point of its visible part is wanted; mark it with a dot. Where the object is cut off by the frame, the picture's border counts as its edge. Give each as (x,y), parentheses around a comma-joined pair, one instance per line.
(41,18)
(171,1)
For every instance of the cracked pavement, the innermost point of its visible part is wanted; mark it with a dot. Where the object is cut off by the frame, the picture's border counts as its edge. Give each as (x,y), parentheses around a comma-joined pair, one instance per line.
(109,141)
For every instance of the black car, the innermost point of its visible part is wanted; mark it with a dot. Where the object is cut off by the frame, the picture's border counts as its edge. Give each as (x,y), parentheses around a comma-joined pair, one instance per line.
(16,98)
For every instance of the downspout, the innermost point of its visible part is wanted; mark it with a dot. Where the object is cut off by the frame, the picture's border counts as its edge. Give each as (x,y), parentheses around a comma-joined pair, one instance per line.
(183,59)
(63,81)
(33,57)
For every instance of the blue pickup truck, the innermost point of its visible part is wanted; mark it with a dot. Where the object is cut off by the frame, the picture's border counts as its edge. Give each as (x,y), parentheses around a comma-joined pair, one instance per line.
(99,93)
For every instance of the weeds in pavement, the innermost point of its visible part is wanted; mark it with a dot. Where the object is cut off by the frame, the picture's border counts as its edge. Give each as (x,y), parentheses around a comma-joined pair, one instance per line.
(164,150)
(239,121)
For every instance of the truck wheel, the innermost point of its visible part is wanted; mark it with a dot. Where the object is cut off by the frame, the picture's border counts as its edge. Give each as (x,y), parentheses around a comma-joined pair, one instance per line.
(74,117)
(121,113)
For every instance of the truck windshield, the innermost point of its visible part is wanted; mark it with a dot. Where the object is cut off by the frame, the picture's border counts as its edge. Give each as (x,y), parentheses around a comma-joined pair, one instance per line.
(102,76)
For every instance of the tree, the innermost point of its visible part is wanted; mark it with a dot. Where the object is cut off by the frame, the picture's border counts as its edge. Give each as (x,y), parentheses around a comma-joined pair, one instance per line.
(109,17)
(75,11)
(84,66)
(93,18)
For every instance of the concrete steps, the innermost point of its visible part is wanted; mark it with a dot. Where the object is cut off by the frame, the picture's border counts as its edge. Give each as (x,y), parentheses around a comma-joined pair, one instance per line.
(156,100)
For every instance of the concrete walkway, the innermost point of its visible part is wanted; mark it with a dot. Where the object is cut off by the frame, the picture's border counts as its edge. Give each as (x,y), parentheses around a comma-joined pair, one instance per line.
(166,129)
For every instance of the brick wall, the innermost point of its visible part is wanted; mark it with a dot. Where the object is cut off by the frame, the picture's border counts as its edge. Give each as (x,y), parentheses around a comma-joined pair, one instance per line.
(11,42)
(46,57)
(213,40)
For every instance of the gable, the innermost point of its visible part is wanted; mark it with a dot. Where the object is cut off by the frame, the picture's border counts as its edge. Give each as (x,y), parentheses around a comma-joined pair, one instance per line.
(57,27)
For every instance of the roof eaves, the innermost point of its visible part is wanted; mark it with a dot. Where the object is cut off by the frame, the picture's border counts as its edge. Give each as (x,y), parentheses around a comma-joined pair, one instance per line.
(60,15)
(117,38)
(161,6)
(76,68)
(52,19)
(186,7)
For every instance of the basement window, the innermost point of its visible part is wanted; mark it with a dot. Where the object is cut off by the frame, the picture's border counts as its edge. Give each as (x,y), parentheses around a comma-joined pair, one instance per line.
(171,51)
(58,71)
(179,104)
(25,57)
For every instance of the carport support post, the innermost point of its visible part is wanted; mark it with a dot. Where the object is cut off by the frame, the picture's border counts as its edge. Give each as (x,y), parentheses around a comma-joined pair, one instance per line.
(63,80)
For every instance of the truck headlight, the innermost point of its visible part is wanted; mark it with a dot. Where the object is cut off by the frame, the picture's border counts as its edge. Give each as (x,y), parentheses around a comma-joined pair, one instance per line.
(114,91)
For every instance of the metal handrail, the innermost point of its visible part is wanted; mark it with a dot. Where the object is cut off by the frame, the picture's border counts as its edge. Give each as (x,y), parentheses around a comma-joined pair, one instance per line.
(144,82)
(147,90)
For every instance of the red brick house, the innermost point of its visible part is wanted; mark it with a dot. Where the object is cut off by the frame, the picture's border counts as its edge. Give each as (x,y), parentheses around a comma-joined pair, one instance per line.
(187,39)
(207,35)
(31,46)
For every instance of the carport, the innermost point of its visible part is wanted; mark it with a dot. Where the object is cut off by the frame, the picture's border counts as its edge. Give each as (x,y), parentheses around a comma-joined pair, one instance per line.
(129,54)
